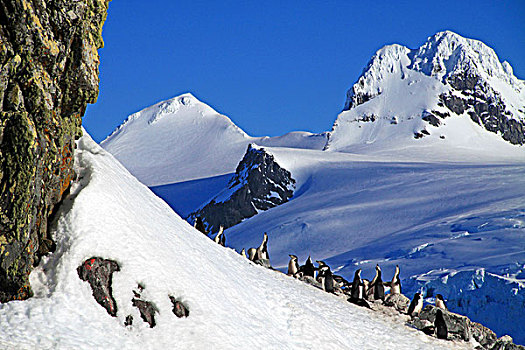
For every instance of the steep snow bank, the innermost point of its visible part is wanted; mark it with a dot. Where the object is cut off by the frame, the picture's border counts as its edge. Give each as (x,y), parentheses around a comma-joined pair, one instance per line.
(232,302)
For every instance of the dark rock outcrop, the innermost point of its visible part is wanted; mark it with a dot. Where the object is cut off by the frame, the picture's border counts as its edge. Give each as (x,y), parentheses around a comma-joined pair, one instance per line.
(49,72)
(462,328)
(484,105)
(147,311)
(98,272)
(179,309)
(259,183)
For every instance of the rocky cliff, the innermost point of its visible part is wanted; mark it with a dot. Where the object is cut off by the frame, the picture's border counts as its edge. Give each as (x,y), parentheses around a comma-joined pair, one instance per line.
(259,183)
(49,72)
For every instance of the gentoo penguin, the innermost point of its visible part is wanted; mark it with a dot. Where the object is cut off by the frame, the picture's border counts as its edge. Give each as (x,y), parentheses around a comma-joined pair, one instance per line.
(252,252)
(293,266)
(379,289)
(441,325)
(327,279)
(308,269)
(243,252)
(219,238)
(415,305)
(440,302)
(262,250)
(395,285)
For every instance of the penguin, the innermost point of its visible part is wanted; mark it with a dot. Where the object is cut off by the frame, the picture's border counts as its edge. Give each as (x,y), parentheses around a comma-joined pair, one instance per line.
(320,265)
(219,238)
(252,252)
(243,252)
(415,305)
(262,250)
(366,287)
(395,285)
(308,269)
(379,289)
(199,225)
(223,240)
(293,266)
(441,325)
(440,302)
(357,291)
(327,279)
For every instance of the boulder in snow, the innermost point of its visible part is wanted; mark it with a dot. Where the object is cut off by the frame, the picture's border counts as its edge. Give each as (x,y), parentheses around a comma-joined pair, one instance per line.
(98,273)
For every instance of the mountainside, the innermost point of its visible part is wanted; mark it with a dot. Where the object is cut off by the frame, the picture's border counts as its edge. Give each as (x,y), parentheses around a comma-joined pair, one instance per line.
(231,301)
(182,139)
(439,98)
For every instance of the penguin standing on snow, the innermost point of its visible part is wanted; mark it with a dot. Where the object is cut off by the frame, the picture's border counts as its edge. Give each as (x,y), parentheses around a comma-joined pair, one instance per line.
(243,252)
(441,325)
(220,239)
(320,265)
(293,266)
(415,305)
(199,225)
(327,279)
(262,250)
(377,284)
(440,302)
(357,293)
(395,285)
(308,269)
(252,252)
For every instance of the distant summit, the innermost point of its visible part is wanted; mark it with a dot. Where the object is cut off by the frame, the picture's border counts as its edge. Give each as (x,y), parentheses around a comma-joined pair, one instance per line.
(448,90)
(183,139)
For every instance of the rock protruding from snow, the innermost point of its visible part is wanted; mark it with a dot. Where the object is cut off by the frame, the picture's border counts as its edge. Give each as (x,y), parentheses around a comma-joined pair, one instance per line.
(98,272)
(259,183)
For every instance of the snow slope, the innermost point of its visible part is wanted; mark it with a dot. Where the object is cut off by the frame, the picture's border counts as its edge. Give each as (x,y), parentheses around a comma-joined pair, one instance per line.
(355,211)
(232,302)
(183,139)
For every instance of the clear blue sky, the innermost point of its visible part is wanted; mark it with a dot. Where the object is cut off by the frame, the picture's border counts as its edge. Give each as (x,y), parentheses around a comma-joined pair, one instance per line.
(273,66)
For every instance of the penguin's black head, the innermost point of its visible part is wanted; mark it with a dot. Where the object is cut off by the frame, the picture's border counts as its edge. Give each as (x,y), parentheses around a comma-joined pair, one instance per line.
(439,296)
(417,296)
(293,256)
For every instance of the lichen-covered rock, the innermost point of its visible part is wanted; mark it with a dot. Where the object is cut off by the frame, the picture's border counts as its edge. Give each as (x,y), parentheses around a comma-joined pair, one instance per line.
(259,183)
(506,343)
(49,72)
(98,272)
(484,336)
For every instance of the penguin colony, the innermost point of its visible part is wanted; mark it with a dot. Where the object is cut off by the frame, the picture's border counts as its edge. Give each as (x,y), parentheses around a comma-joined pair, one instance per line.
(360,290)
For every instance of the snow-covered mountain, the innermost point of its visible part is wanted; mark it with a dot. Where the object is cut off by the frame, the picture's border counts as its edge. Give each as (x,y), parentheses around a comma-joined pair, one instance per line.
(183,139)
(233,303)
(452,94)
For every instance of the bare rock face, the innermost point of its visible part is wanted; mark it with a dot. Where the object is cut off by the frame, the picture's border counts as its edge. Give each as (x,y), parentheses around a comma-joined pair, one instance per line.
(49,72)
(484,106)
(98,272)
(259,183)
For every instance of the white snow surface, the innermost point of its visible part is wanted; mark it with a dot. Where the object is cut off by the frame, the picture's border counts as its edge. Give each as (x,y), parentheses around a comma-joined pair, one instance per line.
(233,303)
(183,139)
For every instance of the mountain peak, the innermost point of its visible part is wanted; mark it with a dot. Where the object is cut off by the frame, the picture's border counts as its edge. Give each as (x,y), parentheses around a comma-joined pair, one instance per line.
(450,83)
